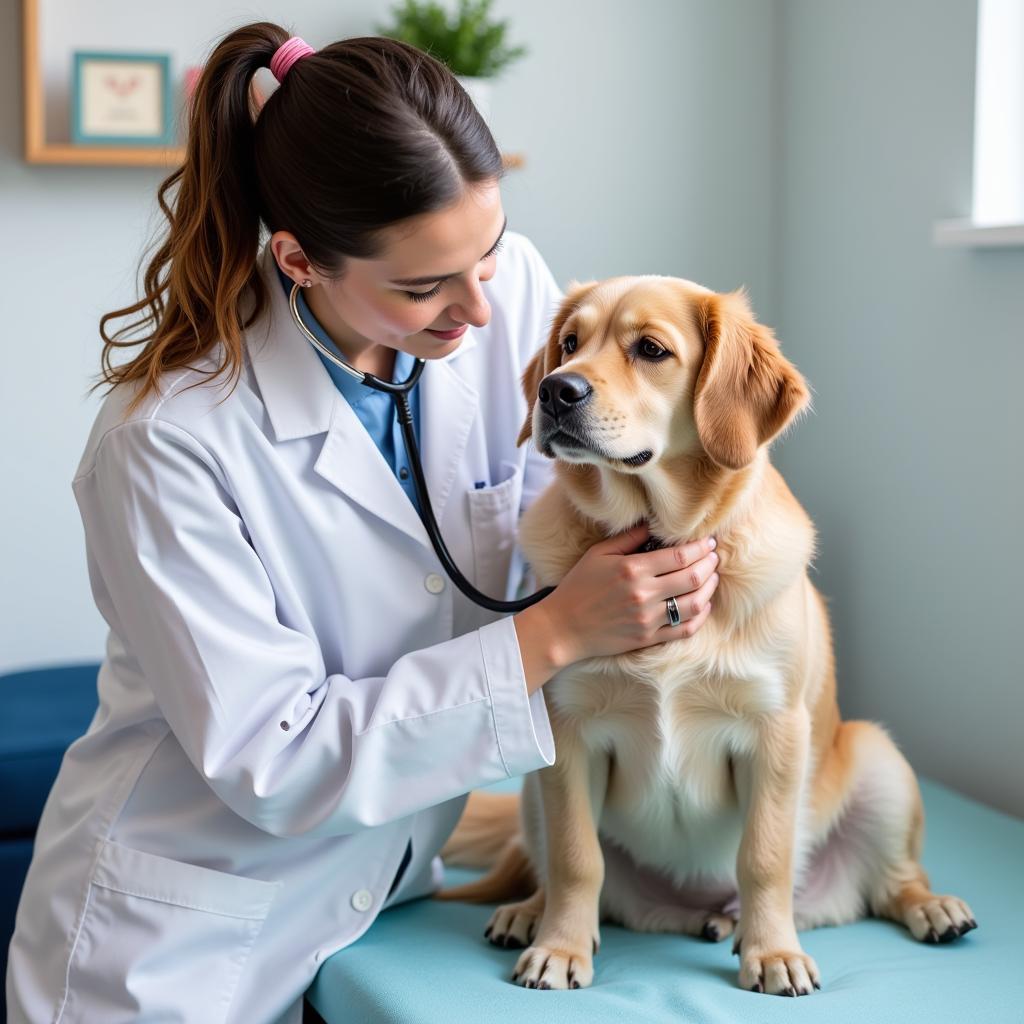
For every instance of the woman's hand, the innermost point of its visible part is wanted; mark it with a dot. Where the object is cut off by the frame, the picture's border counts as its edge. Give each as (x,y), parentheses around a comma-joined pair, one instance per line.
(613,599)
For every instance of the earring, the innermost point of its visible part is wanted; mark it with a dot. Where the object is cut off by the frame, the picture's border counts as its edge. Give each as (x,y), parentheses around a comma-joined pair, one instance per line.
(307,283)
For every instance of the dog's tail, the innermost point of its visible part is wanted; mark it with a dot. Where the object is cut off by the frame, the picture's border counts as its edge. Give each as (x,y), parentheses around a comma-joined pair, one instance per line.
(488,836)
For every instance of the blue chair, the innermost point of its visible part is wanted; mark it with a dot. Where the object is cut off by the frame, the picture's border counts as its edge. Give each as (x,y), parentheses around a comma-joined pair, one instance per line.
(42,711)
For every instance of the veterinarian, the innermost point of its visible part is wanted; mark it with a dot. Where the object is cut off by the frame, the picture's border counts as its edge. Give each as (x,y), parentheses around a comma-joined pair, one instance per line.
(295,699)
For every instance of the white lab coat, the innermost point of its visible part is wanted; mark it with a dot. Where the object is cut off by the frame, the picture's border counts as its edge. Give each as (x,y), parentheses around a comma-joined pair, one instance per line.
(292,687)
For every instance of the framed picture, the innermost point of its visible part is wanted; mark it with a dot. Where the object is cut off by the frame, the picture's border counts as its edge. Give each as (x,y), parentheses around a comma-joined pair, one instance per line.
(122,98)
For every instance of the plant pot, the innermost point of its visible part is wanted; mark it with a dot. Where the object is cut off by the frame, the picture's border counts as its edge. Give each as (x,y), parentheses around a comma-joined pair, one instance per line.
(479,90)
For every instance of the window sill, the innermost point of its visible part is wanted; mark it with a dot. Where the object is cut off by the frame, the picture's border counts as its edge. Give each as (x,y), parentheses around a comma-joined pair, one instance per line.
(966,233)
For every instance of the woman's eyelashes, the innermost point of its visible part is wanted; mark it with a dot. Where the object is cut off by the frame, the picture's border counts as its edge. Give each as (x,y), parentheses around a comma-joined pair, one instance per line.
(424,296)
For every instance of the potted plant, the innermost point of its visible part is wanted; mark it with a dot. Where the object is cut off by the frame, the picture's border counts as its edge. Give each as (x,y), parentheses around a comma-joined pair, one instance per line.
(469,41)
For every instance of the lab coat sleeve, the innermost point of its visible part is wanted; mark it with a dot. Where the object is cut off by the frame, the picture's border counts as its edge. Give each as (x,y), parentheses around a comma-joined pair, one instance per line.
(543,299)
(286,746)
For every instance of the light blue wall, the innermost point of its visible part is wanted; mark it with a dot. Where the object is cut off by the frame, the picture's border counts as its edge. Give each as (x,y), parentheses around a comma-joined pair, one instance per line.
(911,465)
(650,131)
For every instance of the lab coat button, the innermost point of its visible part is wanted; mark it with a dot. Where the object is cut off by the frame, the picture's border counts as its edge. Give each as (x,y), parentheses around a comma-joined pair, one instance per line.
(434,583)
(362,899)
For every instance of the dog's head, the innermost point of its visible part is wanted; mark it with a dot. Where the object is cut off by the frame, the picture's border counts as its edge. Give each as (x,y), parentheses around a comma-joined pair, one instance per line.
(637,369)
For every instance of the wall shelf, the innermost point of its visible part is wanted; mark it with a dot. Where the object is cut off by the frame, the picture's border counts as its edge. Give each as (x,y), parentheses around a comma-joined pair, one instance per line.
(40,151)
(104,156)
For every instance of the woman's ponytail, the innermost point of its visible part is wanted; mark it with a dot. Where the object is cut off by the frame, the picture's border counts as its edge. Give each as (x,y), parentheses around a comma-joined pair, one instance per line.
(205,269)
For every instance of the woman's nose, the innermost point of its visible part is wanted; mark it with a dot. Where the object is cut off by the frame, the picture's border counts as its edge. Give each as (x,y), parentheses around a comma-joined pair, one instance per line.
(474,309)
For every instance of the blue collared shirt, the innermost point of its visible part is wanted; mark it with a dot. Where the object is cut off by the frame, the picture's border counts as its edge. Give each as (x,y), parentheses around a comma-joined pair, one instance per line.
(375,409)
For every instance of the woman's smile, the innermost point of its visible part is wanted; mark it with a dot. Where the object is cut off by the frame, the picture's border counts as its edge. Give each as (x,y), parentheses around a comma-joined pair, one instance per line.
(448,335)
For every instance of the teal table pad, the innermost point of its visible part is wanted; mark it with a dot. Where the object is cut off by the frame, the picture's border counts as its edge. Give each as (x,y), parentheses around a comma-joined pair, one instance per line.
(425,961)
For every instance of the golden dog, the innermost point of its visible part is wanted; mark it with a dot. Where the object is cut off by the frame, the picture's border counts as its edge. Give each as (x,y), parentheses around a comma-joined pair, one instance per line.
(705,786)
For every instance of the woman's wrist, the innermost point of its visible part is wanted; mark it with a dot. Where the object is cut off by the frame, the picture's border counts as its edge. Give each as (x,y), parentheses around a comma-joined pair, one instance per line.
(544,646)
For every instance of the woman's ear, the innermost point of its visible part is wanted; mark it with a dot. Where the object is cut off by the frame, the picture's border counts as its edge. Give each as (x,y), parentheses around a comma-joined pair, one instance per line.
(747,391)
(547,358)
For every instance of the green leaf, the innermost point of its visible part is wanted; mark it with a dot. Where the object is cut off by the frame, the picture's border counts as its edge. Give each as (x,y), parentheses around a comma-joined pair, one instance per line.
(469,41)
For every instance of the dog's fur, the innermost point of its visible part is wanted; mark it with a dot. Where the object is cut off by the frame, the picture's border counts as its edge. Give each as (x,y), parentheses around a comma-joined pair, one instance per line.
(707,785)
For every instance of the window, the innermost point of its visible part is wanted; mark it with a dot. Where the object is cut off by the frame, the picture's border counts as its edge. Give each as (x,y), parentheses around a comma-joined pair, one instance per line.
(997,214)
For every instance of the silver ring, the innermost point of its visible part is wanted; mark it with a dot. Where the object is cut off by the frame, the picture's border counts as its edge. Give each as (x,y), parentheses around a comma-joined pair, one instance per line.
(673,611)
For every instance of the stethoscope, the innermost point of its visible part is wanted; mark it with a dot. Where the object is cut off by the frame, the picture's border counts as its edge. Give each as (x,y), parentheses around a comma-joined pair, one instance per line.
(399,391)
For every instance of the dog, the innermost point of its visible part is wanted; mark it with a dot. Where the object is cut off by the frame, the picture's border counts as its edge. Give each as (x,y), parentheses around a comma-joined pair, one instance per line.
(705,786)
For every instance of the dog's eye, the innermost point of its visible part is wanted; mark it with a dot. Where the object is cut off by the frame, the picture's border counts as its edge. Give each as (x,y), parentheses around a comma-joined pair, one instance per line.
(650,349)
(569,343)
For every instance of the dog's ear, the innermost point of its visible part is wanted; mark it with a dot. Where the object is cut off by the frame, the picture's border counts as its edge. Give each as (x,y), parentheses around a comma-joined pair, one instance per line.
(549,355)
(746,391)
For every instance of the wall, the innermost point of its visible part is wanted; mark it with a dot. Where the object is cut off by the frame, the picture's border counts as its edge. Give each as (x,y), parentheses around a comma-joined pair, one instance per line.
(911,464)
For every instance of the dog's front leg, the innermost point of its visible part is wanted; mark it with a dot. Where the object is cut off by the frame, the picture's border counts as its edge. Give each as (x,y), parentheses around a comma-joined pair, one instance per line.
(572,790)
(771,782)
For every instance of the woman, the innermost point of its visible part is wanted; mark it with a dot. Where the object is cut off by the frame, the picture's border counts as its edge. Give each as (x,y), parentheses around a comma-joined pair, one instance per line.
(295,700)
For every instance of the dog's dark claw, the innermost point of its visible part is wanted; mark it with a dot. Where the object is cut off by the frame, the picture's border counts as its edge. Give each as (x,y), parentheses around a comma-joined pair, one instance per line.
(932,936)
(817,985)
(511,942)
(487,933)
(951,933)
(710,932)
(789,991)
(758,987)
(543,984)
(736,947)
(574,984)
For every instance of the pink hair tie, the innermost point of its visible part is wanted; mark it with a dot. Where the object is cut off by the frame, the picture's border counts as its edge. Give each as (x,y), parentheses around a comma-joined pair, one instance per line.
(287,54)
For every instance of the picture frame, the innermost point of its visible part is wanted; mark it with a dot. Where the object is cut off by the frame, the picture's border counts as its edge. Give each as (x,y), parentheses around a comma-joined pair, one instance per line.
(121,99)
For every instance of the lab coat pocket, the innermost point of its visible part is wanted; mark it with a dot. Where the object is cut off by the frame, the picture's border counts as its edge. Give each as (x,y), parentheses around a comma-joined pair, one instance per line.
(493,514)
(161,939)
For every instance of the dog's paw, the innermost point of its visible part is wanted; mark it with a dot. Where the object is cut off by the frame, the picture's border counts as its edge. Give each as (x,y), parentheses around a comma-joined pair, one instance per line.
(548,967)
(779,973)
(939,919)
(514,924)
(716,927)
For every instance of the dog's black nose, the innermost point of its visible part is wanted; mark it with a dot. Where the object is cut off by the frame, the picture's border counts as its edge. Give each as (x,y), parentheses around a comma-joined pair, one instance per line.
(560,393)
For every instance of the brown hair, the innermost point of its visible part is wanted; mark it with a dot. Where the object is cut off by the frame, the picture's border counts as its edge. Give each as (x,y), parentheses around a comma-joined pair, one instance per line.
(361,134)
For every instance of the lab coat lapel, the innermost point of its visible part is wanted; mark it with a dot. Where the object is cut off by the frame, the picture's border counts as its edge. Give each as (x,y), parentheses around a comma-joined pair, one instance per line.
(448,406)
(351,461)
(302,400)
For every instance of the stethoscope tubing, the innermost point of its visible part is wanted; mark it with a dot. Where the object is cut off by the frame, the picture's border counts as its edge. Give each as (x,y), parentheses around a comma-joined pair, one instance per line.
(399,392)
